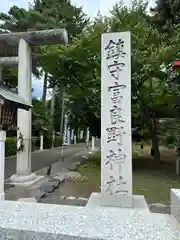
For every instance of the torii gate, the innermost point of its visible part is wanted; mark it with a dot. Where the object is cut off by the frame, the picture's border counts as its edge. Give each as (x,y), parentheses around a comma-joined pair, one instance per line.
(20,44)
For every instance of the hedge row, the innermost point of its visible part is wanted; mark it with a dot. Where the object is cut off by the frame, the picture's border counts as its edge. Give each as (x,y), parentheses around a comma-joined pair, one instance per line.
(11,144)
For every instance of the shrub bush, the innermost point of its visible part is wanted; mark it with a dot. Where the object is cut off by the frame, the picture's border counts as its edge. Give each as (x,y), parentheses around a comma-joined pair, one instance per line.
(11,144)
(95,159)
(57,142)
(80,140)
(35,144)
(48,142)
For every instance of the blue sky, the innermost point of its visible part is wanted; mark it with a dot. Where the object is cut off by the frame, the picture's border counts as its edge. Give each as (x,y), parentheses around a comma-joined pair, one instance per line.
(90,7)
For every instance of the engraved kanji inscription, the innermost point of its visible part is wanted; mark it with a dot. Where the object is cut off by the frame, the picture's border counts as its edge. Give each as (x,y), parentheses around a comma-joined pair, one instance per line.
(115,50)
(115,68)
(115,55)
(114,187)
(121,180)
(114,134)
(115,157)
(116,86)
(116,96)
(116,115)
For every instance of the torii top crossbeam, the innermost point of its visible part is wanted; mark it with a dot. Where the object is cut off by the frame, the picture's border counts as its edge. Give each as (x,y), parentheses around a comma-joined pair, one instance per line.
(34,38)
(9,61)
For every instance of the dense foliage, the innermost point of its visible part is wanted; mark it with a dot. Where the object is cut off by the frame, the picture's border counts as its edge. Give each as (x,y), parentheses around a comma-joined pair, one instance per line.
(11,144)
(75,69)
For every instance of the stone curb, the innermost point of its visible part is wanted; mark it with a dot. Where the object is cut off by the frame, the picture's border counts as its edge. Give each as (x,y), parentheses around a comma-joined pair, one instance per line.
(71,198)
(159,208)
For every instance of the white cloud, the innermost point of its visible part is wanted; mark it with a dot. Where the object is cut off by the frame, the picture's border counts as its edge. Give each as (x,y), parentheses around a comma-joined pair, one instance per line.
(91,7)
(37,85)
(105,8)
(5,5)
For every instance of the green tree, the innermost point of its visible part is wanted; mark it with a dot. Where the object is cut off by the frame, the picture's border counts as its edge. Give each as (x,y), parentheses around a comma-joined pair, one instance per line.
(41,116)
(41,15)
(53,13)
(166,14)
(78,67)
(45,14)
(151,53)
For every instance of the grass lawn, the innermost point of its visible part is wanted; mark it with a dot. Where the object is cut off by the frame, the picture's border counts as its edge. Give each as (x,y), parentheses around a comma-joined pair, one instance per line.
(155,185)
(149,179)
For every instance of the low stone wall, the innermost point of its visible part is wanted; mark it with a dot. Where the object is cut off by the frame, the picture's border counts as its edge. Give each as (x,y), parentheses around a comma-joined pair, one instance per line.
(19,221)
(175,203)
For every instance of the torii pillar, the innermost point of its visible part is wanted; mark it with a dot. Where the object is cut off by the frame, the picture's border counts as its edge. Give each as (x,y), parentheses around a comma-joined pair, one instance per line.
(24,41)
(1,78)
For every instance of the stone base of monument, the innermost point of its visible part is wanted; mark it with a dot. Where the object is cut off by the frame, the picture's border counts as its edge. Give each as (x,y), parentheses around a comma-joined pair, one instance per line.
(25,180)
(136,202)
(175,204)
(2,196)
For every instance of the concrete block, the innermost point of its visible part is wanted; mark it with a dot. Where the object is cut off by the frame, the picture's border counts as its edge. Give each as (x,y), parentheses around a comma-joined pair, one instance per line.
(138,202)
(175,204)
(119,200)
(20,181)
(20,220)
(28,200)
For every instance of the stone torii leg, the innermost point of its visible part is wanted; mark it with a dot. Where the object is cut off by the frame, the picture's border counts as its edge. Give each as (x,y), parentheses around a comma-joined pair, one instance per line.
(23,166)
(2,151)
(1,76)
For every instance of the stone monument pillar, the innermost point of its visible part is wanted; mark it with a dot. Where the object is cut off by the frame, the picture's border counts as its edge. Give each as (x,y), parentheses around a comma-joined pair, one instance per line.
(66,137)
(81,134)
(87,137)
(2,162)
(72,135)
(116,142)
(116,136)
(41,142)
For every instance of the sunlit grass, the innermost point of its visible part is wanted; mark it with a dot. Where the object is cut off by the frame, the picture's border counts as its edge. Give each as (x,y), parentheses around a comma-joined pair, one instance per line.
(151,180)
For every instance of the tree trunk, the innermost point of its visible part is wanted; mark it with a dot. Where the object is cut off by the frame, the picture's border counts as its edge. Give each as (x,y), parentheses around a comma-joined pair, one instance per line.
(155,148)
(62,114)
(45,87)
(155,141)
(52,114)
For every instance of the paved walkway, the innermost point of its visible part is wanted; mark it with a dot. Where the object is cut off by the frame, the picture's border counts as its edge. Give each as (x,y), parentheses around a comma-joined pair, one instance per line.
(70,160)
(41,159)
